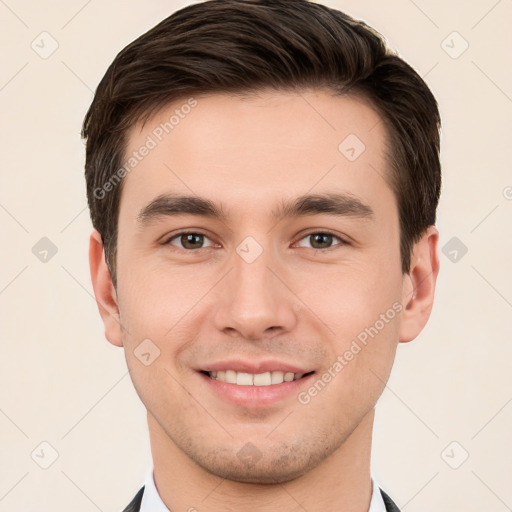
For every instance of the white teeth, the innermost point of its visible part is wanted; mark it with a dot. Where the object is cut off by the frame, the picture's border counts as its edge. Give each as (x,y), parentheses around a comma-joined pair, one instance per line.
(262,379)
(250,379)
(277,377)
(231,376)
(244,379)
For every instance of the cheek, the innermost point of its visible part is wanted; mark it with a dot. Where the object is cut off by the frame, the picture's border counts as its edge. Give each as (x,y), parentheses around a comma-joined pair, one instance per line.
(353,301)
(359,369)
(369,351)
(364,314)
(160,321)
(153,300)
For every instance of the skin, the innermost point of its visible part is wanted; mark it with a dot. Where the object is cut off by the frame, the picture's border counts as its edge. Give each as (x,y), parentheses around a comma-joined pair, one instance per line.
(296,302)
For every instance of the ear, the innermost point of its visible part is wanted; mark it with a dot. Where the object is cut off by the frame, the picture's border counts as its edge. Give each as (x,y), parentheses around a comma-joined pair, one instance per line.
(419,285)
(104,290)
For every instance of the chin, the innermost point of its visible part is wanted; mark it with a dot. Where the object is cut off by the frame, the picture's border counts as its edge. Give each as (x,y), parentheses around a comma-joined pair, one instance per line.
(253,467)
(259,474)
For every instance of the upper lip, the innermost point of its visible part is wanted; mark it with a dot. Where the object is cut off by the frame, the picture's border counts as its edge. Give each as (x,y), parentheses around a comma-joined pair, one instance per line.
(254,367)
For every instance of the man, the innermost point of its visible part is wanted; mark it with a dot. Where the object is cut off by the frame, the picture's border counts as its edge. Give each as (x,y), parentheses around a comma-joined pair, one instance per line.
(263,178)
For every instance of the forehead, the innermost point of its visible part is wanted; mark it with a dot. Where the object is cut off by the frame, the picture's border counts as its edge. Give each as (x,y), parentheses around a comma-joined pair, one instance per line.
(263,147)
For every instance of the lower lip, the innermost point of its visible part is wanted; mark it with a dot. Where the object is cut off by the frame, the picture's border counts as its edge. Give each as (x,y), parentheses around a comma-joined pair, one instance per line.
(255,396)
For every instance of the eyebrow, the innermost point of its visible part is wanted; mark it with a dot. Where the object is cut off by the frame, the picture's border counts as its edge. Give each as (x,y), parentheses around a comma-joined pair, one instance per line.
(346,205)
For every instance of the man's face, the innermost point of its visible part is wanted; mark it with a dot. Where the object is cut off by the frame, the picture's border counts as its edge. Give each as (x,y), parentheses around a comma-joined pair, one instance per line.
(258,293)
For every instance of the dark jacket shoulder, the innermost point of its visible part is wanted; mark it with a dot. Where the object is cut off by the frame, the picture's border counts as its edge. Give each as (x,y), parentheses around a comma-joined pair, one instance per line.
(134,505)
(390,504)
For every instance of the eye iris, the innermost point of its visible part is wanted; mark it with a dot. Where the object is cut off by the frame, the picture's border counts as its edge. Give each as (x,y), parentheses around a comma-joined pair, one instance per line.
(319,238)
(195,240)
(191,240)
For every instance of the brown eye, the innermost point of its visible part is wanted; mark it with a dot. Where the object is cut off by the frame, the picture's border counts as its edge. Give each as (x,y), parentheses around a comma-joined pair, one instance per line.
(189,240)
(321,240)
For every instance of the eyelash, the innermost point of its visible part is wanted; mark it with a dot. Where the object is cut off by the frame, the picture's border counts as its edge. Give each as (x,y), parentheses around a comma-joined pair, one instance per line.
(322,232)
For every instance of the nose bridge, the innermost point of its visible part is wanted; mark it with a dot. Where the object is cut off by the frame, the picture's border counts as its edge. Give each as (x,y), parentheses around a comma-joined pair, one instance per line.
(254,288)
(254,301)
(251,273)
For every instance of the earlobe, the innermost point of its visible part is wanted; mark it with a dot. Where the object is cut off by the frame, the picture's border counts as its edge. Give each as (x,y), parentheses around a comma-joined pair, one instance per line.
(104,291)
(419,286)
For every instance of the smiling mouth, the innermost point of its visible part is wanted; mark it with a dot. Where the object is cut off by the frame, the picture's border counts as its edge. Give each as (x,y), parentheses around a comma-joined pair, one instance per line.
(254,379)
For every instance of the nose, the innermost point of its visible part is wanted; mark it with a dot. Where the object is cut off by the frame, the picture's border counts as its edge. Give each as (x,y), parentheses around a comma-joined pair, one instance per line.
(255,301)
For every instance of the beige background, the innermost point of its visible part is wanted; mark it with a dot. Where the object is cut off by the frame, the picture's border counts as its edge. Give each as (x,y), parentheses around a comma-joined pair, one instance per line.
(64,384)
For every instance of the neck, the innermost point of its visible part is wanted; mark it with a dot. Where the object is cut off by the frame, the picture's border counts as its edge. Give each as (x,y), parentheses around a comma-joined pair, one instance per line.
(341,482)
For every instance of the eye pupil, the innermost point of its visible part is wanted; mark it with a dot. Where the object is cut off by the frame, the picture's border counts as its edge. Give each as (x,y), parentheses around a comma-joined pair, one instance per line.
(319,238)
(191,240)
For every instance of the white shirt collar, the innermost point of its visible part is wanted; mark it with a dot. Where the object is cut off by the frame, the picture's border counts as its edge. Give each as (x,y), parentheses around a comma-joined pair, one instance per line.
(151,501)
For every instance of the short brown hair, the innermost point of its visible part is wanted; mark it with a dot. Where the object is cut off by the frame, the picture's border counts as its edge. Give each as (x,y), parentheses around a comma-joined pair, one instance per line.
(239,46)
